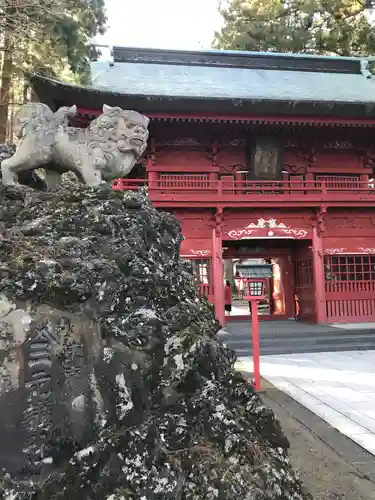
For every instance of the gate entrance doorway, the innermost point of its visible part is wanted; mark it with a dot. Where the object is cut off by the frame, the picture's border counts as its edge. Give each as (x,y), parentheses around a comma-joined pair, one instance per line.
(274,303)
(290,290)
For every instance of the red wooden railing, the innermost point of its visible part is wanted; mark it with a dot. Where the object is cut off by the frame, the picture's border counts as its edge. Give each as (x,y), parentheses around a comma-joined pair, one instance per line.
(339,181)
(185,185)
(191,181)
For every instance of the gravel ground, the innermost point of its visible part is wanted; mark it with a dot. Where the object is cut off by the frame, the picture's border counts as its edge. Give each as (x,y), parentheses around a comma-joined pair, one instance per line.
(327,474)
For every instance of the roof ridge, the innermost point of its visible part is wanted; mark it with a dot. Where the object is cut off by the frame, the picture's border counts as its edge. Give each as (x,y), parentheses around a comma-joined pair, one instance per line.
(244,53)
(239,59)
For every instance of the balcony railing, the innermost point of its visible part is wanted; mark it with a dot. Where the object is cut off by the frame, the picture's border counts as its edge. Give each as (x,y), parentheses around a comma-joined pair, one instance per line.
(224,190)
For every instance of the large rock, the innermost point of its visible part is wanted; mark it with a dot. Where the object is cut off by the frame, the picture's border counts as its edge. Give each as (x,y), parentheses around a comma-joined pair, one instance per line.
(113,383)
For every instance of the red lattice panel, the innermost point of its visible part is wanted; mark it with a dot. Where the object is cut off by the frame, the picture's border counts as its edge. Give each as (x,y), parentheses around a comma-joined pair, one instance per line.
(350,288)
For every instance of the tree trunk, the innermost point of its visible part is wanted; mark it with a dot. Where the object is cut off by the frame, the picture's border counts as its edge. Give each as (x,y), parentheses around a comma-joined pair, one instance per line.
(6,84)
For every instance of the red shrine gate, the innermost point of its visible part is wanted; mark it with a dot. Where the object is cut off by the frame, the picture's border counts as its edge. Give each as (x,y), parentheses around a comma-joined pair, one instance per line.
(281,172)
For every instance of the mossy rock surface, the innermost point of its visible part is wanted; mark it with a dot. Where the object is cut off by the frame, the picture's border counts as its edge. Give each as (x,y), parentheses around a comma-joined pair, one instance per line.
(114,385)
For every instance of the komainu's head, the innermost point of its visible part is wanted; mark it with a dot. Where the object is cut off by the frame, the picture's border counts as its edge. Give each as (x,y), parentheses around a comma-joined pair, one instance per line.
(129,129)
(122,136)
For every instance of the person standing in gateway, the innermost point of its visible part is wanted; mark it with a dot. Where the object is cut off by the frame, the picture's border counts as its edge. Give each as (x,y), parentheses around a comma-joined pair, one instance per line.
(228,298)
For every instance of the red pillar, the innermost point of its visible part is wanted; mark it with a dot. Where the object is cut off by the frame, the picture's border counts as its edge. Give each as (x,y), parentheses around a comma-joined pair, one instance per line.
(152,180)
(217,271)
(319,280)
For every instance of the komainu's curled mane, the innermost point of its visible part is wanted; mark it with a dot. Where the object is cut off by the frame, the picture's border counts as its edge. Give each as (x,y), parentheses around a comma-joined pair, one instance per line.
(108,148)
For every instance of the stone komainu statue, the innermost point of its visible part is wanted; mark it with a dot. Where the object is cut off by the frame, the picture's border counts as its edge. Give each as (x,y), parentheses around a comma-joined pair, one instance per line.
(108,148)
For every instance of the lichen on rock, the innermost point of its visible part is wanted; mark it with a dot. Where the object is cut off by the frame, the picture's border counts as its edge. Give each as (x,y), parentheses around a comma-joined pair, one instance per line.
(114,385)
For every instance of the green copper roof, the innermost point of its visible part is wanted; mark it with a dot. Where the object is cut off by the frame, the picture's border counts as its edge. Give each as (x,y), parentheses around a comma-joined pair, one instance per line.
(214,75)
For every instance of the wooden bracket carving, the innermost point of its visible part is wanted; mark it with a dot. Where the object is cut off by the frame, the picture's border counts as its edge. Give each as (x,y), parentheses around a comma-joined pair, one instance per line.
(320,220)
(219,221)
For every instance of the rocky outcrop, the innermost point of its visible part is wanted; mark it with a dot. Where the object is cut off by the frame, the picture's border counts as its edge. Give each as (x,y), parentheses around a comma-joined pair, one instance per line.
(113,382)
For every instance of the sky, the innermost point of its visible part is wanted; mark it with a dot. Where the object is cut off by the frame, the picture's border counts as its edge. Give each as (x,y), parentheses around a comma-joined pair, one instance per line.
(163,24)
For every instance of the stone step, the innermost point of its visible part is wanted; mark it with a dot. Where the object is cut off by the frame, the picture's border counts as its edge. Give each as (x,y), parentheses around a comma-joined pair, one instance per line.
(284,337)
(337,333)
(300,349)
(329,339)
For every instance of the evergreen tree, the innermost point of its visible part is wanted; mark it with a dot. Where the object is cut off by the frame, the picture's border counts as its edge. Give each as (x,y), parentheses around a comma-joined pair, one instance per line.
(51,37)
(333,27)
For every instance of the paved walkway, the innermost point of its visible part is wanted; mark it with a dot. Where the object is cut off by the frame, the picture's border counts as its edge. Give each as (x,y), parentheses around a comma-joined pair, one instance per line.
(339,387)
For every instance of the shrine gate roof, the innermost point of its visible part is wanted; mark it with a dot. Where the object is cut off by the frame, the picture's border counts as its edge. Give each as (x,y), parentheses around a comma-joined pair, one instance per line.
(222,83)
(235,75)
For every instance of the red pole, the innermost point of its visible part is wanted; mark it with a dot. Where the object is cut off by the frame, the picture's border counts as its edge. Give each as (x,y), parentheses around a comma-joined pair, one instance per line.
(214,272)
(255,338)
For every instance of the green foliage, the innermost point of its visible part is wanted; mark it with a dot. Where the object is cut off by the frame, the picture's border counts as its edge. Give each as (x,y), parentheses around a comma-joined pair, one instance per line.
(53,36)
(50,37)
(333,27)
(73,34)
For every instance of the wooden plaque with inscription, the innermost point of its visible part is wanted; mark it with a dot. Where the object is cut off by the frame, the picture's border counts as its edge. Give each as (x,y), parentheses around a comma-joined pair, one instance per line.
(266,158)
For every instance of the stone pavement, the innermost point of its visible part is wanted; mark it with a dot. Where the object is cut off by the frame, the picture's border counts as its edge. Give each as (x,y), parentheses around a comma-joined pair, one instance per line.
(339,387)
(331,465)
